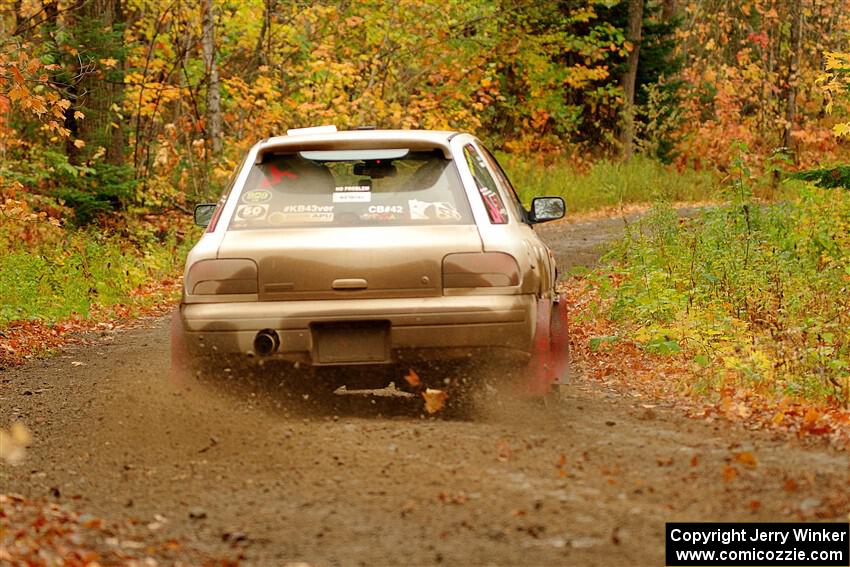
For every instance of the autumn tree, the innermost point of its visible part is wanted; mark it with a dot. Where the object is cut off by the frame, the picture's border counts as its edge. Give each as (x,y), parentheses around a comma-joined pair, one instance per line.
(633,36)
(213,113)
(110,103)
(796,44)
(99,34)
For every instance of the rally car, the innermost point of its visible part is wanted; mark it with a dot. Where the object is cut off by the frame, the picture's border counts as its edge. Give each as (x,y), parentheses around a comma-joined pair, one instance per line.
(373,248)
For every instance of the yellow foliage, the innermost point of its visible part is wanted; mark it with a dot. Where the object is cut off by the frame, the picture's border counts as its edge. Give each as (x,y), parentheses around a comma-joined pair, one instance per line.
(836,84)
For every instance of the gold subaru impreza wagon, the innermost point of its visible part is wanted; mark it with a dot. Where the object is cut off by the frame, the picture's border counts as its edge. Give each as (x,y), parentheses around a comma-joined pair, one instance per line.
(373,247)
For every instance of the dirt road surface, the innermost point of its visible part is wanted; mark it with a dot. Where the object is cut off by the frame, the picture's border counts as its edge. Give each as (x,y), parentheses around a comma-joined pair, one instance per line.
(273,478)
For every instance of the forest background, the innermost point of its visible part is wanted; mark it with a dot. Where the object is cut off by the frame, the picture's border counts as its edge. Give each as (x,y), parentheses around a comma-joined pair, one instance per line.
(117,116)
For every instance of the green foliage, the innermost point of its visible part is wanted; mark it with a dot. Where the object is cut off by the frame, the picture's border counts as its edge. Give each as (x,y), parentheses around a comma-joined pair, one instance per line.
(829,177)
(88,191)
(606,183)
(104,189)
(599,107)
(659,120)
(64,271)
(546,54)
(757,293)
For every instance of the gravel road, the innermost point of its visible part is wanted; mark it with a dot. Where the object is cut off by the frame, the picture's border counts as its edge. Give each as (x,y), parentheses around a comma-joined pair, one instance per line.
(264,475)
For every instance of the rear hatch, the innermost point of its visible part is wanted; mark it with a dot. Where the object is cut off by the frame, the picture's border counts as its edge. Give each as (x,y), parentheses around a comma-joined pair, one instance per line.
(351,223)
(347,262)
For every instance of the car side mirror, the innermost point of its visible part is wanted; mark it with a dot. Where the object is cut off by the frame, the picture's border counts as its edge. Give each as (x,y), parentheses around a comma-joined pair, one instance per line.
(204,213)
(547,209)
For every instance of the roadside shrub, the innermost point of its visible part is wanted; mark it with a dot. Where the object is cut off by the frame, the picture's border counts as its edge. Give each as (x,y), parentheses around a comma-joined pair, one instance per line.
(828,177)
(84,191)
(50,272)
(758,294)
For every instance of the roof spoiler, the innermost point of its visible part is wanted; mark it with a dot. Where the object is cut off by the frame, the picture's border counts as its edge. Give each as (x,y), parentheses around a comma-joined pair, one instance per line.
(353,140)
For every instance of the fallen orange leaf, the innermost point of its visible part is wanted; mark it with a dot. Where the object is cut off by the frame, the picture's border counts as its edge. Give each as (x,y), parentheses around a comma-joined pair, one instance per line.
(729,473)
(746,458)
(435,400)
(412,378)
(812,415)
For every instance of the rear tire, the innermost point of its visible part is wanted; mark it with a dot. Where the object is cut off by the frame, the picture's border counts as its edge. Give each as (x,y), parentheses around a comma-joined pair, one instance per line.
(547,372)
(559,341)
(190,371)
(184,374)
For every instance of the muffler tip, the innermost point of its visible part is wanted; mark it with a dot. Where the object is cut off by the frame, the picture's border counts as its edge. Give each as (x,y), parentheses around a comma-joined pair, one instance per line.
(266,342)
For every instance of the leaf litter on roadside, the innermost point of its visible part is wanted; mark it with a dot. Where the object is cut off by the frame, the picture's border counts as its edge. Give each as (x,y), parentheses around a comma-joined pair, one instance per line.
(670,378)
(36,533)
(25,339)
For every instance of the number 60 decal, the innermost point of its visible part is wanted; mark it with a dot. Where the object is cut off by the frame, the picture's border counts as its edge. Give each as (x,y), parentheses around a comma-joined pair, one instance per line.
(252,212)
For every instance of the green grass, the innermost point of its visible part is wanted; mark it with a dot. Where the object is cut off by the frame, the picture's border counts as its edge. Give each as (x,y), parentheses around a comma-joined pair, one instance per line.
(67,271)
(756,294)
(607,183)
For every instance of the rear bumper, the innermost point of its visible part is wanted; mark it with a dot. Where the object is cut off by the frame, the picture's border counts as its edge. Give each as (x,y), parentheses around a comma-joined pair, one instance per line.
(434,327)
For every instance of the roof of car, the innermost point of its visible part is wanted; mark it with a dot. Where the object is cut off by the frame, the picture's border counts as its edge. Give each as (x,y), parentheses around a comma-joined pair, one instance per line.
(361,139)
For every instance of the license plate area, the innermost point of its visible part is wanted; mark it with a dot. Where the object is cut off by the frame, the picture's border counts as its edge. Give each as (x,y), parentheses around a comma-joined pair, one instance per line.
(355,342)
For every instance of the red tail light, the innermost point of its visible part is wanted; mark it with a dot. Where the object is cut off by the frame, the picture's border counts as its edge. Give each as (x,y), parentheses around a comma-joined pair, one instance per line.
(480,269)
(222,277)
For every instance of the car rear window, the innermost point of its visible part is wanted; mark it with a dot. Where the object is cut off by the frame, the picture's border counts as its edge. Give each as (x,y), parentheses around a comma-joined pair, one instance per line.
(352,188)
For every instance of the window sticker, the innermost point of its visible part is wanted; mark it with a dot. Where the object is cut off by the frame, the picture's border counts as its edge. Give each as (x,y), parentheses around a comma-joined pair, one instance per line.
(381,216)
(308,209)
(486,186)
(356,197)
(257,196)
(274,175)
(251,212)
(277,218)
(296,218)
(495,208)
(351,188)
(382,209)
(440,210)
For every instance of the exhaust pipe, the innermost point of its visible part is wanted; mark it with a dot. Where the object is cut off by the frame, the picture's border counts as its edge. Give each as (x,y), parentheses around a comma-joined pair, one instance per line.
(266,342)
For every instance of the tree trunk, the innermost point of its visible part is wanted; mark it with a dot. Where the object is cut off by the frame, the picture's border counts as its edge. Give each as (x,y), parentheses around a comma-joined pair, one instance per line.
(669,10)
(633,35)
(19,19)
(262,51)
(213,117)
(100,25)
(793,71)
(61,80)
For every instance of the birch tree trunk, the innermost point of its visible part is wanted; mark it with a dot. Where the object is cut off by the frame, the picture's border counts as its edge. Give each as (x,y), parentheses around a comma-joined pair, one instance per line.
(213,114)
